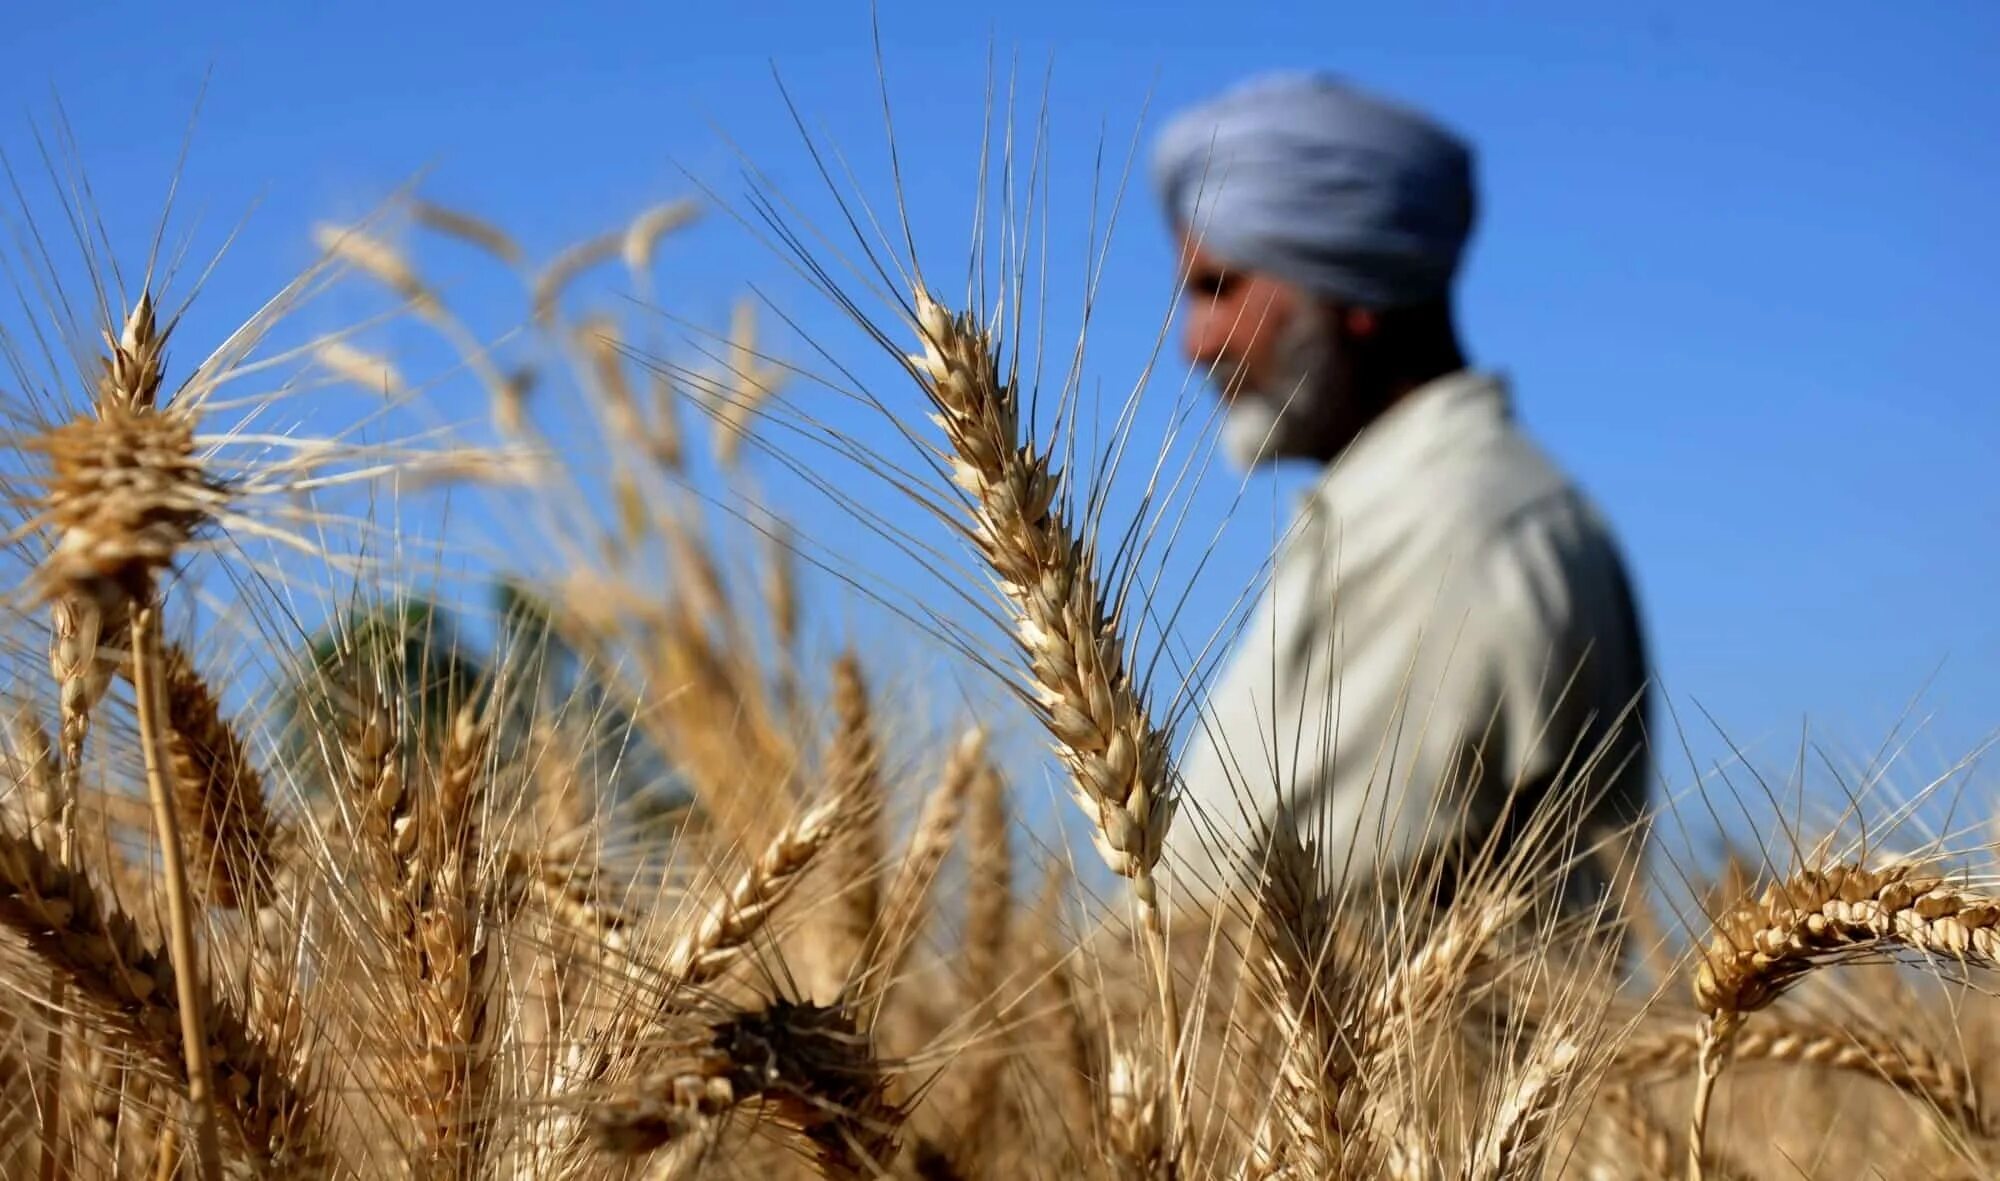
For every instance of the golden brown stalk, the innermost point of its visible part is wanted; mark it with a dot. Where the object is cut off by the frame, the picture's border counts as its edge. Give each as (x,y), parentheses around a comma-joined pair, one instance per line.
(1907,1065)
(1116,756)
(1812,919)
(598,340)
(148,688)
(908,899)
(134,986)
(1314,1114)
(451,948)
(218,793)
(853,867)
(467,228)
(663,441)
(1076,1067)
(810,1070)
(52,815)
(989,910)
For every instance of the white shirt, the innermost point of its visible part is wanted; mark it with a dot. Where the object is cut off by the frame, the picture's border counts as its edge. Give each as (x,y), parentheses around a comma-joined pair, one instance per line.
(1447,610)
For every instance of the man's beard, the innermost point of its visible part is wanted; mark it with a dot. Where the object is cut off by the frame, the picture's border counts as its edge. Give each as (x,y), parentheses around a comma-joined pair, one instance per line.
(1285,418)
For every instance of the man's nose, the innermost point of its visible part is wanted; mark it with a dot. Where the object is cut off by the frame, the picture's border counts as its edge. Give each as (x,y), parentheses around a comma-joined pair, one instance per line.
(1205,347)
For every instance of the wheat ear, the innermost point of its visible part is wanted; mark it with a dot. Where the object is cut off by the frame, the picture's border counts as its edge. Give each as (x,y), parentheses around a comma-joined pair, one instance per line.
(807,1066)
(449,929)
(1315,1105)
(81,677)
(1812,919)
(457,223)
(218,792)
(1117,758)
(908,899)
(853,864)
(125,493)
(99,951)
(989,910)
(1908,1066)
(1517,1140)
(383,263)
(720,939)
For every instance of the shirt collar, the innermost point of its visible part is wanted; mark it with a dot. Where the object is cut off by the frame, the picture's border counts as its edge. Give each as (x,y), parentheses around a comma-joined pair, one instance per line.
(1408,434)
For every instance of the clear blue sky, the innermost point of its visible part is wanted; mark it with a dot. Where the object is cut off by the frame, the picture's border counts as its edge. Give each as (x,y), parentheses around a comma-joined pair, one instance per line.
(1738,259)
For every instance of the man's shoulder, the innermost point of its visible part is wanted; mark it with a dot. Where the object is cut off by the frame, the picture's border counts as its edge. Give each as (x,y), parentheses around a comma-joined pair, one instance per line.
(1490,487)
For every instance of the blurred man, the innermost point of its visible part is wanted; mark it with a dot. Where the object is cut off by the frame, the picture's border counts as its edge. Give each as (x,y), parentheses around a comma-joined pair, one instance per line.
(1448,668)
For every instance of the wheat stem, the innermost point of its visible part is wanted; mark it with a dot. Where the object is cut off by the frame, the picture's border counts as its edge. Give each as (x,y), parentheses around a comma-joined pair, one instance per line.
(180,913)
(1092,705)
(63,804)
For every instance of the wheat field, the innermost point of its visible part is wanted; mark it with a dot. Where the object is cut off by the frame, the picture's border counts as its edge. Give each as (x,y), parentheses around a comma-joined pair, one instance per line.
(660,881)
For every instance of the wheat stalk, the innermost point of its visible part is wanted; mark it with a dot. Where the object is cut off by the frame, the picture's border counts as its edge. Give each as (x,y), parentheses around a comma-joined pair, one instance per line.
(642,237)
(99,951)
(1906,1065)
(1117,758)
(854,862)
(908,897)
(1814,918)
(449,936)
(364,369)
(1516,1142)
(125,493)
(160,787)
(459,224)
(710,947)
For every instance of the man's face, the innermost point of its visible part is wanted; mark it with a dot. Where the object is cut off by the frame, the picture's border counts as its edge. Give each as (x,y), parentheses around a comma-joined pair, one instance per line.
(1233,321)
(1268,350)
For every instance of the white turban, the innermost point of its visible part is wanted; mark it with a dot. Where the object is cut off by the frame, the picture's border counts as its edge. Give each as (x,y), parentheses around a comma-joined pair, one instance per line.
(1299,175)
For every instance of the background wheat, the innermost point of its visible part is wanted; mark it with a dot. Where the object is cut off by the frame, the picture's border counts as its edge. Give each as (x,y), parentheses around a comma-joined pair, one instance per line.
(634,861)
